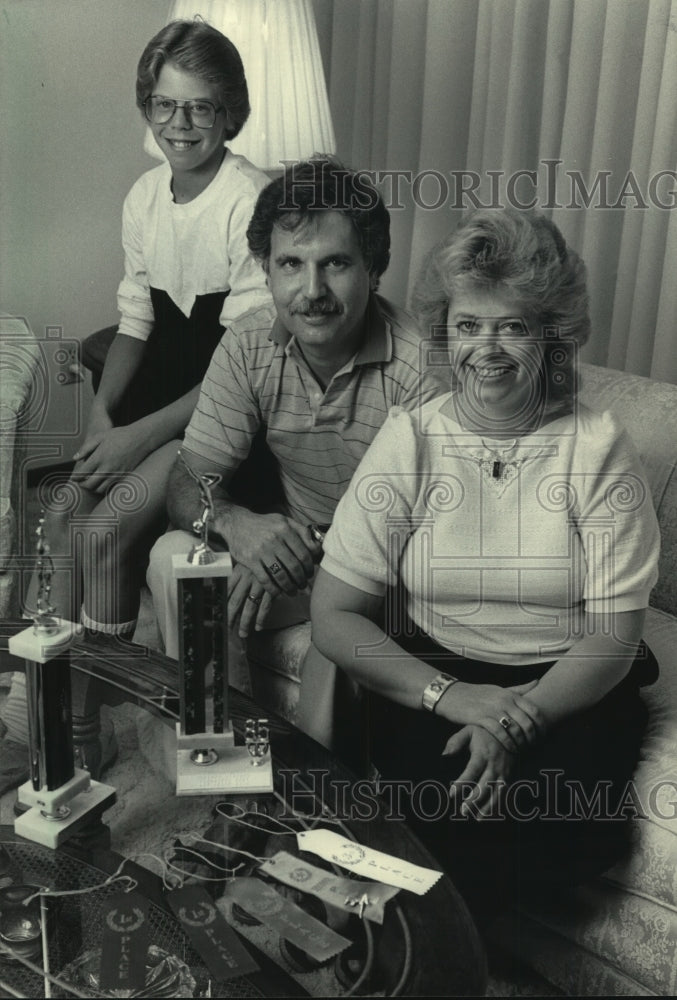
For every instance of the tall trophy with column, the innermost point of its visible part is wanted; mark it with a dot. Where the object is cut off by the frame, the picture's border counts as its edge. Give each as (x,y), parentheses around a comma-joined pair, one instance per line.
(208,761)
(60,798)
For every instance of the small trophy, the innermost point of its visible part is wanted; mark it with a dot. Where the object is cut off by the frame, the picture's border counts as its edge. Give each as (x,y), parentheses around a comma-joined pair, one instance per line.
(60,796)
(257,739)
(208,762)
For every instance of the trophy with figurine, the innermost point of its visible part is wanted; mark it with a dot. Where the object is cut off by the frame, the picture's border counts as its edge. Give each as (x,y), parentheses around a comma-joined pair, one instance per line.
(60,797)
(208,761)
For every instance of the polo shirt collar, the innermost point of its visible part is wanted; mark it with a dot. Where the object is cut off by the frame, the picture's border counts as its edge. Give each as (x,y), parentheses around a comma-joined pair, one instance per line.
(377,347)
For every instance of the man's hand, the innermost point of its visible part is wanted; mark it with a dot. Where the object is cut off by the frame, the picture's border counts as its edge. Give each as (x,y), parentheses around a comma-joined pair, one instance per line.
(487,770)
(280,553)
(108,454)
(248,602)
(506,713)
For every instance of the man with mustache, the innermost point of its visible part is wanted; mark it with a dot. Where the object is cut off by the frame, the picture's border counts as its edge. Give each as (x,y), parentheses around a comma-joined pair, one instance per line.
(316,373)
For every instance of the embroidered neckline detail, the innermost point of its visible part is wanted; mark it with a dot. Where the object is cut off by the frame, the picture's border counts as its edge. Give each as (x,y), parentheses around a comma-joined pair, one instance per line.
(499,475)
(500,461)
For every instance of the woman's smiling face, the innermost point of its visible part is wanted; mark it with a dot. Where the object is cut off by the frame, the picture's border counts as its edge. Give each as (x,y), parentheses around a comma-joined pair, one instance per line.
(497,356)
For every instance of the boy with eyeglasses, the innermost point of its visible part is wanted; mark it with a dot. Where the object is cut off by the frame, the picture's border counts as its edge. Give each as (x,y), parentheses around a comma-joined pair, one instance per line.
(188,274)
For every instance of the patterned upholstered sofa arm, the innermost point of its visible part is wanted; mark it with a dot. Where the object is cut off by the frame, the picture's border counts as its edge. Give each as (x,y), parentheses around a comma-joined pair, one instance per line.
(19,357)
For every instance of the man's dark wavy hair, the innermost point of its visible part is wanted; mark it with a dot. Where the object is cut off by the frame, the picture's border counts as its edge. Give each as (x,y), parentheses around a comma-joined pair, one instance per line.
(322,184)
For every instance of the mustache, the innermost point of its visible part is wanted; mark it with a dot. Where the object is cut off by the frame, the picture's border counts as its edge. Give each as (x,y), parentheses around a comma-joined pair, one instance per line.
(321,307)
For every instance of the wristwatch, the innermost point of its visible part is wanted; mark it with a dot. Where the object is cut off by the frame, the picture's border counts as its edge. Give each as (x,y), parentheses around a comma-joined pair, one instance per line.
(434,691)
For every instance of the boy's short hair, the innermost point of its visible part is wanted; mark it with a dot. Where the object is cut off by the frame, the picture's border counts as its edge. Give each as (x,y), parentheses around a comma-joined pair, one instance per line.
(198,48)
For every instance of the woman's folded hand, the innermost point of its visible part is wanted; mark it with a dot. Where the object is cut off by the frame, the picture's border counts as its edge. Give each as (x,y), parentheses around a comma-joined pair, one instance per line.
(481,784)
(506,713)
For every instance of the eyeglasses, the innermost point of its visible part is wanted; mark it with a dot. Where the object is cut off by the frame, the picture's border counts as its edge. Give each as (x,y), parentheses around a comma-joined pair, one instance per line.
(160,110)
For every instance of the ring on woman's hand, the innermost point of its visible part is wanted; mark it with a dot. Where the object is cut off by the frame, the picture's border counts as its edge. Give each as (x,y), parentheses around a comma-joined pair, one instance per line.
(506,721)
(254,600)
(274,567)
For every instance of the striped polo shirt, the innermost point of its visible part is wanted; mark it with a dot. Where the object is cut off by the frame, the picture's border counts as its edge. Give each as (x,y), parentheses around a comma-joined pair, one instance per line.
(258,377)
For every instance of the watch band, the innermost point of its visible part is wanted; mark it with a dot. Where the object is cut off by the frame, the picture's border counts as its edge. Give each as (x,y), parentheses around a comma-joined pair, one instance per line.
(434,691)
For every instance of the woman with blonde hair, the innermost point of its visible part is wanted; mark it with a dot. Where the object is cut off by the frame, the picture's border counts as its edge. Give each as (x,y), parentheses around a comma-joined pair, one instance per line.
(486,576)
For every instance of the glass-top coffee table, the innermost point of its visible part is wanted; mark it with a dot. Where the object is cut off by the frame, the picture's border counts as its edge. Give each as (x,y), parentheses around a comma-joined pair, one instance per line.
(426,946)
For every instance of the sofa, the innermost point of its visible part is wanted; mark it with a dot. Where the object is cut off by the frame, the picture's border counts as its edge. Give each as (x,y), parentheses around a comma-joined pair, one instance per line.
(618,934)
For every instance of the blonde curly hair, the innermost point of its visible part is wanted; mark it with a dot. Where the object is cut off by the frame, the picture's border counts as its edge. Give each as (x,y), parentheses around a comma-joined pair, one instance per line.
(525,254)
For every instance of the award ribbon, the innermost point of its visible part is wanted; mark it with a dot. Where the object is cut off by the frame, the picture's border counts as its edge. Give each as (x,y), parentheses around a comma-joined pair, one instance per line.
(125,943)
(366,898)
(286,918)
(367,862)
(216,943)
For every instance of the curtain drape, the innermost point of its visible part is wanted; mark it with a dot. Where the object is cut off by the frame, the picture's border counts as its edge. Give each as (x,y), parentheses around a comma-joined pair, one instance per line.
(569,105)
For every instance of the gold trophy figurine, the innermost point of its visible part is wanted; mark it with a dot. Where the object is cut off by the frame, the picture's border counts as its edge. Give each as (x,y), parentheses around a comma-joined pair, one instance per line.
(44,615)
(201,554)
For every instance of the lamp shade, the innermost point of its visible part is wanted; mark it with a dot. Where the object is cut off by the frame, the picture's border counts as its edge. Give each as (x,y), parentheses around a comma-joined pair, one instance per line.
(277,40)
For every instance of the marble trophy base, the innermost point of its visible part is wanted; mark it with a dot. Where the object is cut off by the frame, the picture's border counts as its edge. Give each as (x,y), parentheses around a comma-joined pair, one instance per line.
(41,647)
(58,813)
(233,772)
(82,797)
